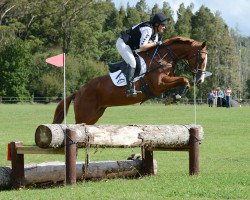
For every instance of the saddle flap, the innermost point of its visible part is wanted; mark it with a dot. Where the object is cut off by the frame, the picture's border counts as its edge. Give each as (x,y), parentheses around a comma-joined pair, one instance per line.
(113,67)
(117,71)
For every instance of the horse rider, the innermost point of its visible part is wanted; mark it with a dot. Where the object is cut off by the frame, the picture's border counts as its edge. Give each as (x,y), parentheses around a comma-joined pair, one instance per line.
(139,38)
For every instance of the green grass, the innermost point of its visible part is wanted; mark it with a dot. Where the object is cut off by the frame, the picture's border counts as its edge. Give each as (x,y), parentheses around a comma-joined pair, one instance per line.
(224,156)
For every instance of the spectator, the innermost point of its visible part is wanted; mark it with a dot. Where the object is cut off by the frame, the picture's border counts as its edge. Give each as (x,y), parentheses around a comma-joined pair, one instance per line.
(228,92)
(210,99)
(215,92)
(220,97)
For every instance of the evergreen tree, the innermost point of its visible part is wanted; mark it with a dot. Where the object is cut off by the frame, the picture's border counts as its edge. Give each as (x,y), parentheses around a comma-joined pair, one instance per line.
(133,17)
(183,25)
(143,10)
(155,9)
(122,18)
(202,24)
(170,32)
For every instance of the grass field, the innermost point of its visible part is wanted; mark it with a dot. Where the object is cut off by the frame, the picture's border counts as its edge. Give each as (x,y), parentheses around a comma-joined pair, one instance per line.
(224,156)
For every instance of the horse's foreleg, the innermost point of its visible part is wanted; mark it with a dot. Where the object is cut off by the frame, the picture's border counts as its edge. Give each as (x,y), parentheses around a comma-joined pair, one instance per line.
(169,82)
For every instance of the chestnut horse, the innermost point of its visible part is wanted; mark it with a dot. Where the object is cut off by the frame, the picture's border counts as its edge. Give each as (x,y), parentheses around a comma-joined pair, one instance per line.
(91,100)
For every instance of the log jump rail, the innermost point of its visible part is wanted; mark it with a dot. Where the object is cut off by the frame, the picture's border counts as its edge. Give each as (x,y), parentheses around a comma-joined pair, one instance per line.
(49,139)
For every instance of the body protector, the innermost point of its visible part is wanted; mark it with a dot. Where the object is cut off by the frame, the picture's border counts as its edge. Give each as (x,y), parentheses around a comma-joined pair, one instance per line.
(139,35)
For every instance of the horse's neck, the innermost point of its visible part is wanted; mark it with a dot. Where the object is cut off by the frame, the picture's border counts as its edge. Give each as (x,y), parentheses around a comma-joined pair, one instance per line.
(176,52)
(180,51)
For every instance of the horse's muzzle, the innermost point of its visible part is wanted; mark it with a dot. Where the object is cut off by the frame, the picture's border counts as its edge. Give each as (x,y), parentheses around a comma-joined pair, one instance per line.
(199,77)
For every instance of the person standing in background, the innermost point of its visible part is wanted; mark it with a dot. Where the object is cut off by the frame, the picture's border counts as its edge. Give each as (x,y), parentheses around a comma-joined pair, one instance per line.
(228,92)
(210,99)
(220,97)
(215,93)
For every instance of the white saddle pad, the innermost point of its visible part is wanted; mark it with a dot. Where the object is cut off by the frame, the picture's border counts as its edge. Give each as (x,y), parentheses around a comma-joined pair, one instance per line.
(119,78)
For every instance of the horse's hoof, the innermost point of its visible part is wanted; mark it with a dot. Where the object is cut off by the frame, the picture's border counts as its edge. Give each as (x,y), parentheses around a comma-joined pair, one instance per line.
(178,97)
(134,157)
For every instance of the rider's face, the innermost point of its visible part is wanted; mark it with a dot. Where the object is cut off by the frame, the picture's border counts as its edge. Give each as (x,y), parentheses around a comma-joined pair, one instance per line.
(161,28)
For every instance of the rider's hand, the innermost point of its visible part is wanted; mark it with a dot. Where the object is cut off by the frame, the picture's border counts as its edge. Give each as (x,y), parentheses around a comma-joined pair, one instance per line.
(136,51)
(158,43)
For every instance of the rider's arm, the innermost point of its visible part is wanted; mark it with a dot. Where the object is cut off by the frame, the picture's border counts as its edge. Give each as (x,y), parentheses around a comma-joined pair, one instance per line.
(145,44)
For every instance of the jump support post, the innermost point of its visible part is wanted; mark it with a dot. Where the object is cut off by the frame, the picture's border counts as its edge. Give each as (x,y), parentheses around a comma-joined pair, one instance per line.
(192,148)
(17,158)
(70,157)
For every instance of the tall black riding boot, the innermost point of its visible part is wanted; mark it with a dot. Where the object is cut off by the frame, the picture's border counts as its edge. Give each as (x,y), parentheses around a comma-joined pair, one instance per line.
(131,92)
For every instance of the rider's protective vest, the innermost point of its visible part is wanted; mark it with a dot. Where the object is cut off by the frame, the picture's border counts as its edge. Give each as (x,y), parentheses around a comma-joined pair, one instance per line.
(132,36)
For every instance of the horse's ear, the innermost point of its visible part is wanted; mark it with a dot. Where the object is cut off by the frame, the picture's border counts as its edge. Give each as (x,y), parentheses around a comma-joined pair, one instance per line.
(204,44)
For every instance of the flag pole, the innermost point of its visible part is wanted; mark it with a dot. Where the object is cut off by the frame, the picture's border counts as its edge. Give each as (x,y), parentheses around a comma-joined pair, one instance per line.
(64,89)
(59,61)
(64,113)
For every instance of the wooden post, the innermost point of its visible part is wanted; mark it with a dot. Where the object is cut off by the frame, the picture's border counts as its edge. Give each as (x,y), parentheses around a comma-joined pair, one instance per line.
(147,161)
(17,163)
(70,155)
(194,151)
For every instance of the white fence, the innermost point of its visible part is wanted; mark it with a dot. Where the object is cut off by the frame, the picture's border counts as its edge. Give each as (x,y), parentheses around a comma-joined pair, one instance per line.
(45,100)
(29,99)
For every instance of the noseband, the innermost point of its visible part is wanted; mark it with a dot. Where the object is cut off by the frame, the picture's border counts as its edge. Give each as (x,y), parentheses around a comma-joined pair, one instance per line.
(198,61)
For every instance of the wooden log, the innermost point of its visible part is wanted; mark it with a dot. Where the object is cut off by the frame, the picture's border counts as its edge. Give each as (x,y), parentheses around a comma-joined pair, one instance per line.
(5,177)
(55,171)
(168,136)
(52,135)
(155,136)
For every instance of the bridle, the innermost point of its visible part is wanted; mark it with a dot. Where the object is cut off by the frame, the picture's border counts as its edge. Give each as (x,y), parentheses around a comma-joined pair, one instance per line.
(198,61)
(174,57)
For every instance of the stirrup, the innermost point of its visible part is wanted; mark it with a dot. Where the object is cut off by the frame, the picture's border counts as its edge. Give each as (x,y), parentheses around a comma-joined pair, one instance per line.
(131,93)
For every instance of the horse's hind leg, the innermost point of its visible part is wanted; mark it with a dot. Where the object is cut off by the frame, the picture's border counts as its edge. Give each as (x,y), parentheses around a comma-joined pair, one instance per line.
(93,117)
(97,116)
(88,114)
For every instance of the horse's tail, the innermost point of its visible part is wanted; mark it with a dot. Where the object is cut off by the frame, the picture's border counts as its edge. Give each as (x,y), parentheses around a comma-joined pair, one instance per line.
(59,112)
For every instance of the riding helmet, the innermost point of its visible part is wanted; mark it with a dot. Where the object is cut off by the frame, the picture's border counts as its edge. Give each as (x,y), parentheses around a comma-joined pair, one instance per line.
(159,18)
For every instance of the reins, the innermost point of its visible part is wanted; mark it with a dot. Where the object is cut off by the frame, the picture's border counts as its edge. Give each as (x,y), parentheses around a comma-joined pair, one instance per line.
(149,70)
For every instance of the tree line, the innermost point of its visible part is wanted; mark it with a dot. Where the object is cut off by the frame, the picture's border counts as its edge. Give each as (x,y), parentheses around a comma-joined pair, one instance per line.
(86,30)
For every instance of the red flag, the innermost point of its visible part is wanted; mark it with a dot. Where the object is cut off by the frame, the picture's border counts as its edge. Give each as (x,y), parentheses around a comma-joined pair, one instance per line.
(58,60)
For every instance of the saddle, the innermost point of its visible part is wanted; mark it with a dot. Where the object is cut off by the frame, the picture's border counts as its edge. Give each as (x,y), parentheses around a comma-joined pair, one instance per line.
(122,65)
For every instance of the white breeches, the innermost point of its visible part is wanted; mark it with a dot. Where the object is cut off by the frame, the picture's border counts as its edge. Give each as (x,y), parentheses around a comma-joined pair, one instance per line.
(125,52)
